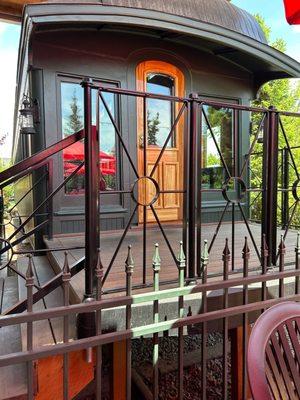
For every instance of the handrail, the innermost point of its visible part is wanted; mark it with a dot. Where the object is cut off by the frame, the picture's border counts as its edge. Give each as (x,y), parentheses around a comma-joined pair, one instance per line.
(40,156)
(44,290)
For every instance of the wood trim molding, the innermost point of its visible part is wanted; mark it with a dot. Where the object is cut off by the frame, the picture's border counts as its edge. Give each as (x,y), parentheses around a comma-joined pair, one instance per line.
(165,212)
(146,67)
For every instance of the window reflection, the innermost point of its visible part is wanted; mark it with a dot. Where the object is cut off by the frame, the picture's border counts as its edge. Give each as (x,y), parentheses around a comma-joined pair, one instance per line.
(215,141)
(72,121)
(159,112)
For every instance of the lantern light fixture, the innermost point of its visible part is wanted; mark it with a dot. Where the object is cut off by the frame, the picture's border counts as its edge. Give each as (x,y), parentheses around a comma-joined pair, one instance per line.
(29,115)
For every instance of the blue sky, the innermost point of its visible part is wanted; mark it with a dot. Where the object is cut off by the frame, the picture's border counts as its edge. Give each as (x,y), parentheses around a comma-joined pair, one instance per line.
(9,41)
(273,13)
(271,10)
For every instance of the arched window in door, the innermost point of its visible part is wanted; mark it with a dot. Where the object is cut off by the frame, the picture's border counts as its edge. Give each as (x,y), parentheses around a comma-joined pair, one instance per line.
(160,114)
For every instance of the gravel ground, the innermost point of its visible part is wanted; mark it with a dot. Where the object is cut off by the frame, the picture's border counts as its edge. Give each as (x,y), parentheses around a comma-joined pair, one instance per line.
(142,362)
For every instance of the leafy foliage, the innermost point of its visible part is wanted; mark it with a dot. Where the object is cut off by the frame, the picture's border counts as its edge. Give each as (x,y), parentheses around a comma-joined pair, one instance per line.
(8,191)
(153,128)
(284,95)
(74,120)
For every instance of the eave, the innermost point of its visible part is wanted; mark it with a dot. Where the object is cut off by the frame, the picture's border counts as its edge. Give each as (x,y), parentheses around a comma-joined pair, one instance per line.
(264,62)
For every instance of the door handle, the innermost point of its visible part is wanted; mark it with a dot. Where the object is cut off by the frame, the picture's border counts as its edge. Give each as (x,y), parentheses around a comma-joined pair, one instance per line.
(141,141)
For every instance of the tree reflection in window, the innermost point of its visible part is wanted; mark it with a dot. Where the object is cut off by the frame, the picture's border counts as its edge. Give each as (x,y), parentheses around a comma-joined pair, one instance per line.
(72,121)
(159,112)
(213,172)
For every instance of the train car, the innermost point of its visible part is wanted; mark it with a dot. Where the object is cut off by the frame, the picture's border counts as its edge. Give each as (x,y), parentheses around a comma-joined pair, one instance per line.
(210,49)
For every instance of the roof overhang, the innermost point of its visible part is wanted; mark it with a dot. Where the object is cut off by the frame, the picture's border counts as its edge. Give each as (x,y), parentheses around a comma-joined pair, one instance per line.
(11,10)
(270,63)
(263,61)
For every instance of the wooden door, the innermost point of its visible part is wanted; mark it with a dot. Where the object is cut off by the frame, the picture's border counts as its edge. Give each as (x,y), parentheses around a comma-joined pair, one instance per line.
(160,78)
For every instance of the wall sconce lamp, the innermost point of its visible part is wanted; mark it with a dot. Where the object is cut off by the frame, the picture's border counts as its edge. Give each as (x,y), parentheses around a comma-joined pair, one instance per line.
(29,116)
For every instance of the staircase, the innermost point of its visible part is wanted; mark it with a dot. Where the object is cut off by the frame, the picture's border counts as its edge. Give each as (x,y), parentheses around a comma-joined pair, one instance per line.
(12,378)
(48,372)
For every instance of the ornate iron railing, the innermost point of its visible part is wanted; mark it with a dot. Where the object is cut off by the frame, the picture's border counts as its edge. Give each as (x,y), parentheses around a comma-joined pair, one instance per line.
(259,291)
(235,188)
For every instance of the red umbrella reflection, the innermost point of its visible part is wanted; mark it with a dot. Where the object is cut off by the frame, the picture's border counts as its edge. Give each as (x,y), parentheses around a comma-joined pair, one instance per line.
(74,154)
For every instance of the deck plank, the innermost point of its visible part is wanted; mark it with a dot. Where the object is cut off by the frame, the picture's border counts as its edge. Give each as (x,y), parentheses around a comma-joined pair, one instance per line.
(109,242)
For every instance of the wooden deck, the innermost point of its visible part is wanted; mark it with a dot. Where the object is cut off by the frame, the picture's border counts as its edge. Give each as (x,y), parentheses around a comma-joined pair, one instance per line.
(116,278)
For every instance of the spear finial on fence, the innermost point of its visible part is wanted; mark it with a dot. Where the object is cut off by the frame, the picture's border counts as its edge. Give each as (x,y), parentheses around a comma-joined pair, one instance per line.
(181,265)
(129,266)
(66,267)
(282,245)
(29,271)
(226,251)
(99,266)
(264,254)
(226,259)
(204,256)
(129,263)
(246,256)
(156,261)
(246,250)
(181,257)
(29,285)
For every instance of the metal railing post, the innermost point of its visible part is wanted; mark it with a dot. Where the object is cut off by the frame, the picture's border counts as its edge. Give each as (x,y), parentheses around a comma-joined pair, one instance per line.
(86,322)
(191,189)
(285,187)
(50,204)
(92,220)
(270,178)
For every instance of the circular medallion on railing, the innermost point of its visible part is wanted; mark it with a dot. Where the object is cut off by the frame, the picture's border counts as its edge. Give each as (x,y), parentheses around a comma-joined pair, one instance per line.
(145,191)
(234,190)
(296,190)
(6,251)
(8,220)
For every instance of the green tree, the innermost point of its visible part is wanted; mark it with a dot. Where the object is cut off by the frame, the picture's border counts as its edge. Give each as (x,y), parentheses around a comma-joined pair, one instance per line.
(153,128)
(74,123)
(283,94)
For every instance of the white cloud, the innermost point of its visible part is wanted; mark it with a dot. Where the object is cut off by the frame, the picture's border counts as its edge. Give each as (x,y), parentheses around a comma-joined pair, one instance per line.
(3,26)
(296,28)
(294,52)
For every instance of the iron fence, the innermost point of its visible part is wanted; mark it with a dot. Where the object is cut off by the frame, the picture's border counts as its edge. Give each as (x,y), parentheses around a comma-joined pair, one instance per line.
(228,301)
(195,117)
(258,292)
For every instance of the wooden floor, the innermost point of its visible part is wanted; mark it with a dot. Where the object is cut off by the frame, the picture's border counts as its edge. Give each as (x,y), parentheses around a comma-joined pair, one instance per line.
(110,240)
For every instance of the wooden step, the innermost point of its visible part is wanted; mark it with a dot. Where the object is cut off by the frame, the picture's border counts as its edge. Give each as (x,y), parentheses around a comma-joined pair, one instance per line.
(12,378)
(49,370)
(46,331)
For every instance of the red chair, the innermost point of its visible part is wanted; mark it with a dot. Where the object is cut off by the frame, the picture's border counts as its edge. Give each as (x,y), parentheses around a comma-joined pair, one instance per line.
(274,354)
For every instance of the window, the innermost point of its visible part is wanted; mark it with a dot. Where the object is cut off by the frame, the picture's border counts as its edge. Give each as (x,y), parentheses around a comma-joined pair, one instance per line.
(72,121)
(159,112)
(215,141)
